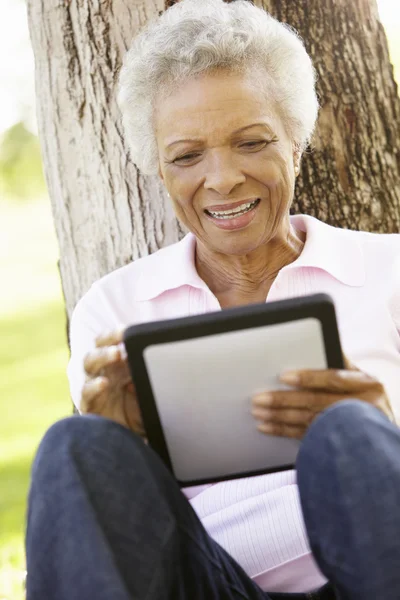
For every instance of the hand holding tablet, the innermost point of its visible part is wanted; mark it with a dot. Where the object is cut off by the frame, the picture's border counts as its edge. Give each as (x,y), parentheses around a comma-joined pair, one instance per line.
(195,378)
(291,412)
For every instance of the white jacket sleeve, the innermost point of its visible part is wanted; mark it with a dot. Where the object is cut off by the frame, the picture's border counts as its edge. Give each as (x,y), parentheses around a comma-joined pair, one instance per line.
(394,305)
(87,322)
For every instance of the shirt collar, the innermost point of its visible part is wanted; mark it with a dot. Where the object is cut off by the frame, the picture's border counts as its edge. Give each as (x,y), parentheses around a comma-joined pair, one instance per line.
(336,251)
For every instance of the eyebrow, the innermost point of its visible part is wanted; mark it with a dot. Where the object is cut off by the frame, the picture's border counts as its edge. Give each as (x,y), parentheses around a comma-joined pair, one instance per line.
(262,124)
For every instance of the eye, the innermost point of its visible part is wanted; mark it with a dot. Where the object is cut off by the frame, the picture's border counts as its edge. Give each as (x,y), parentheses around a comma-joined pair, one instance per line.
(254,145)
(187,158)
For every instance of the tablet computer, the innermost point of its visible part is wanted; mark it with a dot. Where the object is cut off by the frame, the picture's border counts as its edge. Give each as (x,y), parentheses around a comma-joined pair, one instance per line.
(195,377)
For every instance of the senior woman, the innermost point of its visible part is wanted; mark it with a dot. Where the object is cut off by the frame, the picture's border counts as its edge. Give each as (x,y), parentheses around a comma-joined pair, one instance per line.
(219,99)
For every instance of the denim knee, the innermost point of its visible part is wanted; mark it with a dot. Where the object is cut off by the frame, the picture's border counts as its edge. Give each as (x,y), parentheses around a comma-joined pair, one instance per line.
(339,428)
(81,428)
(74,435)
(345,416)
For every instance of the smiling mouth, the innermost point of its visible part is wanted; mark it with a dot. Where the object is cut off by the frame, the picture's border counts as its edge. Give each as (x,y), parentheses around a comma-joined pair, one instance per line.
(233,213)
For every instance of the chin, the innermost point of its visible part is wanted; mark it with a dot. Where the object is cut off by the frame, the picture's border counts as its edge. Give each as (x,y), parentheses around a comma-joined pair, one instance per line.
(236,245)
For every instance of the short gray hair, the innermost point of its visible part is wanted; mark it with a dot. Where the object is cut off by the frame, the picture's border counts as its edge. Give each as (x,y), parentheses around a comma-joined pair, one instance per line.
(196,37)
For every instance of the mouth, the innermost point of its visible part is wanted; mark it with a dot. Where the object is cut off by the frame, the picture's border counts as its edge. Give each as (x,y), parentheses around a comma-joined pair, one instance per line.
(233,213)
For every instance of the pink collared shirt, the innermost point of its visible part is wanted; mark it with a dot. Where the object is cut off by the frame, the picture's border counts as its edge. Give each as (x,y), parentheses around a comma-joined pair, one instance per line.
(258,520)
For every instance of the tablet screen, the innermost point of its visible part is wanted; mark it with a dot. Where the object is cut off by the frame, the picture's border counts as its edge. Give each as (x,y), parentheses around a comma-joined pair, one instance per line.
(203,386)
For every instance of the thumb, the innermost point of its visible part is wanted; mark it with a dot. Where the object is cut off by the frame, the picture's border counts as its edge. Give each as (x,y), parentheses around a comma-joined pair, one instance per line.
(348,365)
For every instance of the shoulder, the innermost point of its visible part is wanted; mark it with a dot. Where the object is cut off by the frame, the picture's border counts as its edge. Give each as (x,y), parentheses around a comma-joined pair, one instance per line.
(375,240)
(139,270)
(372,245)
(137,279)
(141,280)
(381,254)
(377,248)
(379,240)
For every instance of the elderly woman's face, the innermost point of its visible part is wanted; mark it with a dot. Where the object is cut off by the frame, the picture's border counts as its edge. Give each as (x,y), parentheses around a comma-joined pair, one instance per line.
(226,161)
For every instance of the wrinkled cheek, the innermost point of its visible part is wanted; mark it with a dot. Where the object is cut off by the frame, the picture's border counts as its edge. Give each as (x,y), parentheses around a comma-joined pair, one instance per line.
(275,189)
(282,190)
(277,175)
(186,214)
(180,210)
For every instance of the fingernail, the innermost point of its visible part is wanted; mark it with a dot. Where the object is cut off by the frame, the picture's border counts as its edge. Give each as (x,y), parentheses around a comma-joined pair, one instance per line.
(261,414)
(113,353)
(357,375)
(291,378)
(122,351)
(101,383)
(131,388)
(264,398)
(266,428)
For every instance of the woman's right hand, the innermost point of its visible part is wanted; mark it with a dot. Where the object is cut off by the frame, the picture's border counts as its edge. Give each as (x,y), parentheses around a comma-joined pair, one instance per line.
(109,391)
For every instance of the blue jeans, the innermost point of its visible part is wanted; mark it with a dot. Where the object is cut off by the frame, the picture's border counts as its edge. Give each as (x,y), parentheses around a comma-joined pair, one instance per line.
(107,521)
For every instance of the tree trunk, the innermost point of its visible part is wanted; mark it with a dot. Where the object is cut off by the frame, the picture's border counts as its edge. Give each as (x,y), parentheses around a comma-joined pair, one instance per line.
(352,176)
(106,213)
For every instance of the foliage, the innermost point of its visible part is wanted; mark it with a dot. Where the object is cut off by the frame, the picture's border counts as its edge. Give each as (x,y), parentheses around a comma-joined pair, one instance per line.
(21,173)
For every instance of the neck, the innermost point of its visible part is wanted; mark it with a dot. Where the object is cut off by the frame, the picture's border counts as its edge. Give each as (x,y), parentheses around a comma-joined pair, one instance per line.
(247,279)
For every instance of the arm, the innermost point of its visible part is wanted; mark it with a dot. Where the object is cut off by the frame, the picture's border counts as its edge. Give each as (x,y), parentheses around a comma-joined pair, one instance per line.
(84,328)
(394,301)
(98,372)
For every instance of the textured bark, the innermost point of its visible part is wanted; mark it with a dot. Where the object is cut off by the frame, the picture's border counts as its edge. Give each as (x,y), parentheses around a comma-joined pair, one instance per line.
(107,214)
(352,176)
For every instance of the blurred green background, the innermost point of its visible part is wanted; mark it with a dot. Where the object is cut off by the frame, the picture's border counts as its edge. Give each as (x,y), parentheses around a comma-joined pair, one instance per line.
(33,349)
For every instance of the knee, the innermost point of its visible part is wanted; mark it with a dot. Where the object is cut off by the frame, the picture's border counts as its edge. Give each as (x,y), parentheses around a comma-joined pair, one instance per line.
(79,436)
(346,417)
(81,430)
(348,428)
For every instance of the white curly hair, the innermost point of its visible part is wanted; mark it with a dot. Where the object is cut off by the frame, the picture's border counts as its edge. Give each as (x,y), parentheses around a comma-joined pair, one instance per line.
(197,37)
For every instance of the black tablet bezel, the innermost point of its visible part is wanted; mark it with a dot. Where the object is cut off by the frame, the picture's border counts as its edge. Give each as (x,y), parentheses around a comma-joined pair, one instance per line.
(138,337)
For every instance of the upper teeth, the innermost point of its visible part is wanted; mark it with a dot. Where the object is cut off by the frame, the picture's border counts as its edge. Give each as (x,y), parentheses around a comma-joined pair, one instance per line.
(232,211)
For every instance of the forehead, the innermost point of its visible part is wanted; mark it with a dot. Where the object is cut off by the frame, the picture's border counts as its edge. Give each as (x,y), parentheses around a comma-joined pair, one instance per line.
(218,103)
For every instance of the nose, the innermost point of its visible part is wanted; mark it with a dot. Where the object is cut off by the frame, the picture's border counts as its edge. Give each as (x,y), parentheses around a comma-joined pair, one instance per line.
(222,174)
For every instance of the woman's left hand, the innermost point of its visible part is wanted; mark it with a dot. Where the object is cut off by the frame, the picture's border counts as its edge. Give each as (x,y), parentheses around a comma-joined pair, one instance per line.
(289,413)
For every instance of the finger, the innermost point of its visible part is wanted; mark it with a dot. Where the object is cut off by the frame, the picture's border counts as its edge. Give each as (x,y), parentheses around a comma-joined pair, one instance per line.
(310,400)
(111,338)
(349,365)
(92,390)
(282,430)
(330,380)
(130,386)
(289,416)
(99,358)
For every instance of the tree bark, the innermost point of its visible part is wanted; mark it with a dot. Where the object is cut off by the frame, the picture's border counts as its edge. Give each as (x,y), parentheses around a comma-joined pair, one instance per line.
(107,214)
(351,178)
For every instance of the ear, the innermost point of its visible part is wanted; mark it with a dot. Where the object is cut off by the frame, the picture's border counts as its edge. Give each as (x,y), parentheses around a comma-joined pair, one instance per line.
(162,179)
(296,159)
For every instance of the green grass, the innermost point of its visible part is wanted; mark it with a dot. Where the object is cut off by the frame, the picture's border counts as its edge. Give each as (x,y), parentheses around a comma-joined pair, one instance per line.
(33,394)
(33,357)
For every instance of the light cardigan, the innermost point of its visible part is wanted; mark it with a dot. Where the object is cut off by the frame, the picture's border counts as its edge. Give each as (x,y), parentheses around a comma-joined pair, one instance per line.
(258,520)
